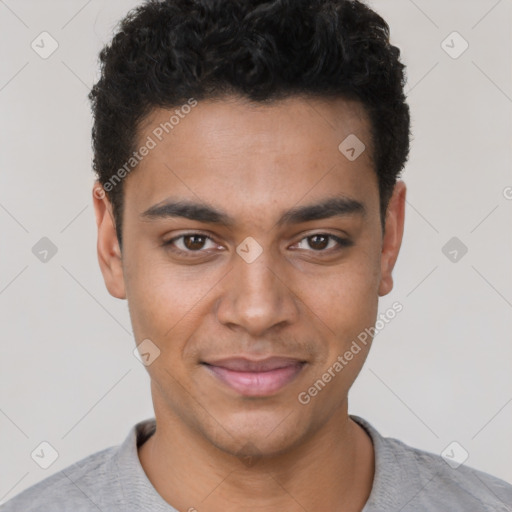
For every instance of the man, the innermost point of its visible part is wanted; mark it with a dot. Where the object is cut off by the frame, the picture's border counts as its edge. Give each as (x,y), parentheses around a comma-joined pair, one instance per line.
(249,209)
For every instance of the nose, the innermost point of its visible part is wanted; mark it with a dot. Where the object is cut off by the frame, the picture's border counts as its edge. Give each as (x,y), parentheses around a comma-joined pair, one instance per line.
(257,297)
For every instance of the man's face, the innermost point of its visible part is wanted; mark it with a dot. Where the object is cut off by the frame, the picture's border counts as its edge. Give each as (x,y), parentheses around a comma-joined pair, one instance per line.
(266,279)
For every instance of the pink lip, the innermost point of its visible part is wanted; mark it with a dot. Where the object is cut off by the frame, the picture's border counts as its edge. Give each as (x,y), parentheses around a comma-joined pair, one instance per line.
(256,378)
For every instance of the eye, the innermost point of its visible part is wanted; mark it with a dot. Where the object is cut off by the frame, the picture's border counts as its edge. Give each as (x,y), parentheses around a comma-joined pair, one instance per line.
(190,243)
(323,242)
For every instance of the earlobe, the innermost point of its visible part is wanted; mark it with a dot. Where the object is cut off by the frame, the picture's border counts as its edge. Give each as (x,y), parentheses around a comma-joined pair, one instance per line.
(109,252)
(392,240)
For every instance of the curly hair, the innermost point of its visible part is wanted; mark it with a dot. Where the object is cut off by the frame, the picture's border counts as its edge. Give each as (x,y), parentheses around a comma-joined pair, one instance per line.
(168,51)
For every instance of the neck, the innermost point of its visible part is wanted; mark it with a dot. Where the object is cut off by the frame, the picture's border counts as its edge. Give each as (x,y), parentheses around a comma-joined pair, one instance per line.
(190,473)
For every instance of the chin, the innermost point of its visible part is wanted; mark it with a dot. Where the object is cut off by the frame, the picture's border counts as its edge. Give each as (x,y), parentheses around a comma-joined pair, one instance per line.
(258,434)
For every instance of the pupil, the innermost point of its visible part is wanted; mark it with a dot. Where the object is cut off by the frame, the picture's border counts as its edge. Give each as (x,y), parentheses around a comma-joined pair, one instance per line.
(197,243)
(315,245)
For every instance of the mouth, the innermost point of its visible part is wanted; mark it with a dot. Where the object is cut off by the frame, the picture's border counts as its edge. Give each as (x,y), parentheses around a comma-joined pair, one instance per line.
(255,377)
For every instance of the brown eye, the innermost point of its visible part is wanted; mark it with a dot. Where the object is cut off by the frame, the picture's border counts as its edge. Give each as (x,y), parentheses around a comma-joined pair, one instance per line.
(194,242)
(324,242)
(318,242)
(190,244)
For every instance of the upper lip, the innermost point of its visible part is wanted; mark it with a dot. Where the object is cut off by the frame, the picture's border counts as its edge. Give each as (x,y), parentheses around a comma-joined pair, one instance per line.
(243,364)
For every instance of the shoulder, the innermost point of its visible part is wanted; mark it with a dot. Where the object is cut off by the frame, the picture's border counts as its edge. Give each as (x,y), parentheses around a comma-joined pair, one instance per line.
(79,487)
(459,486)
(410,479)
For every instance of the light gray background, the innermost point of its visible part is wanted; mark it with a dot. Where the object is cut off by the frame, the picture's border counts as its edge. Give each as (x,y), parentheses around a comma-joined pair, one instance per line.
(439,372)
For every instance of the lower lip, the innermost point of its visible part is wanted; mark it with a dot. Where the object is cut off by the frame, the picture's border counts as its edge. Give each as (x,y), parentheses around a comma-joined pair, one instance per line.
(257,383)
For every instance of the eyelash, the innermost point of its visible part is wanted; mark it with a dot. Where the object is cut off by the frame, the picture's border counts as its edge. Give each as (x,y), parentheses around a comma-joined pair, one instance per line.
(342,243)
(188,253)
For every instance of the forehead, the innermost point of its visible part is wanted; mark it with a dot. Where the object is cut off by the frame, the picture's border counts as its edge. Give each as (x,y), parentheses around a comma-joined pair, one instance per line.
(249,126)
(228,151)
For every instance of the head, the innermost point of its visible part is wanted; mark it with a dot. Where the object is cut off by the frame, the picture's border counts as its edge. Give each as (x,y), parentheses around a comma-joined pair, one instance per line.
(248,201)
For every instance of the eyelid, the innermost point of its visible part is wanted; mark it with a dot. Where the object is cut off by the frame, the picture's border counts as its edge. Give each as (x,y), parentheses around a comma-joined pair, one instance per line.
(341,241)
(191,233)
(169,244)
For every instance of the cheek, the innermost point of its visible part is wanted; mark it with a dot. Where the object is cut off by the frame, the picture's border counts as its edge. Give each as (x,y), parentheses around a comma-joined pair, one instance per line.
(165,299)
(343,297)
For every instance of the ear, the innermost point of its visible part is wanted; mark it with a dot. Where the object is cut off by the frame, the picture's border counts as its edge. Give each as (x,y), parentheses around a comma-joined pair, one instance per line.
(109,252)
(392,240)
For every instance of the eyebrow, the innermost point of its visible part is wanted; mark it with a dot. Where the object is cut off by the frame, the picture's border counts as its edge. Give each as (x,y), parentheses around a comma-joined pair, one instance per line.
(331,207)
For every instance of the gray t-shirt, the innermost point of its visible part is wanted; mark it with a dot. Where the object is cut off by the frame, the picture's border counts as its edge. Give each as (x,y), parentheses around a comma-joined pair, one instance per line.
(406,480)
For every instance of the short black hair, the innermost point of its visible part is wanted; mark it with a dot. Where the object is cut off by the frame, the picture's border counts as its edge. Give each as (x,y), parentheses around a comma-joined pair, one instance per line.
(166,52)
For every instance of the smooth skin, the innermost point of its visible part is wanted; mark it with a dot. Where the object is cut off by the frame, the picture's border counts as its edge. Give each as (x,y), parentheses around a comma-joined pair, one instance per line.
(305,297)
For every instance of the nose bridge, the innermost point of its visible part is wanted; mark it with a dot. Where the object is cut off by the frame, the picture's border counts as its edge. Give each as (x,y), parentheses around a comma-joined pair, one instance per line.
(255,298)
